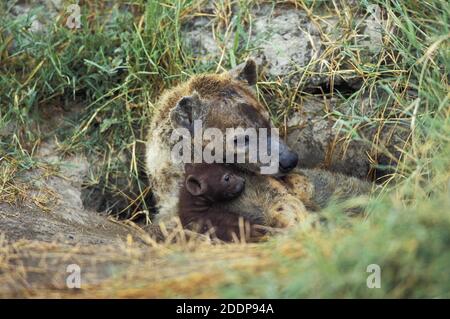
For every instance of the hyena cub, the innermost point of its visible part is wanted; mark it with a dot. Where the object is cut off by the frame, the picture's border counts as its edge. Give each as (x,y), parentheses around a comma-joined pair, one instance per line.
(201,204)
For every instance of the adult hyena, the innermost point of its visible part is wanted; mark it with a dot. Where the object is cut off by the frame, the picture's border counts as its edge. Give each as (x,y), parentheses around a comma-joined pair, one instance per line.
(224,101)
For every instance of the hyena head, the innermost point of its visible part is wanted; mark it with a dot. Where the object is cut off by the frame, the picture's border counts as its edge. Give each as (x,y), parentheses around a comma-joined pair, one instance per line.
(226,104)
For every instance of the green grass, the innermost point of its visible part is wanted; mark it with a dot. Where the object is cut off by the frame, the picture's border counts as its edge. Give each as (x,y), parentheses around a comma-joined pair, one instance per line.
(118,64)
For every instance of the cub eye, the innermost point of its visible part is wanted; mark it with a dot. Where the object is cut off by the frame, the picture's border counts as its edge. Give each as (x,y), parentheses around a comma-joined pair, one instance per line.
(226,178)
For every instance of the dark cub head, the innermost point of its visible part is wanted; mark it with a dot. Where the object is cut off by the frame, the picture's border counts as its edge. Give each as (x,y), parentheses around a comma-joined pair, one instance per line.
(213,182)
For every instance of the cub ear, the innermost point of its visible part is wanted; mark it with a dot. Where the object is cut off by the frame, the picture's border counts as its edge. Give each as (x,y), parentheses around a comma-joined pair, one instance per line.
(246,72)
(185,112)
(195,186)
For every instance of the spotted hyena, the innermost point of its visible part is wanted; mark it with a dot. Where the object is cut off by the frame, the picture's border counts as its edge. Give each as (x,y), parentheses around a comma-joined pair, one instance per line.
(224,101)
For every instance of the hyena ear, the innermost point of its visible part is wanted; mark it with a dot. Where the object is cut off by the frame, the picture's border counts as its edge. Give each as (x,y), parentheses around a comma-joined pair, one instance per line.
(195,186)
(186,111)
(245,72)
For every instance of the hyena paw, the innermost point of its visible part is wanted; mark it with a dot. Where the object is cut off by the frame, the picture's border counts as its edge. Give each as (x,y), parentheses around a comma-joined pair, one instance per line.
(300,187)
(287,211)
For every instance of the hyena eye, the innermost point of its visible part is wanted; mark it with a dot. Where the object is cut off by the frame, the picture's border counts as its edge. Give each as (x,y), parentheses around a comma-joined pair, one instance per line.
(226,178)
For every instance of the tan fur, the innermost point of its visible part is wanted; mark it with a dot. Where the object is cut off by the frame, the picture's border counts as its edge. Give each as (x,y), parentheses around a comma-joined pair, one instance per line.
(266,200)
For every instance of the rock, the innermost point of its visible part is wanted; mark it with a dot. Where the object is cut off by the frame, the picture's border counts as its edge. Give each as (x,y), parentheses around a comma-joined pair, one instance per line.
(372,39)
(48,11)
(52,208)
(322,140)
(288,43)
(200,40)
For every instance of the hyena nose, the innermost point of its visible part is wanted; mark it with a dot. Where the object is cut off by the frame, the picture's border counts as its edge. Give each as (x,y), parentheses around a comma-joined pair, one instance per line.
(288,161)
